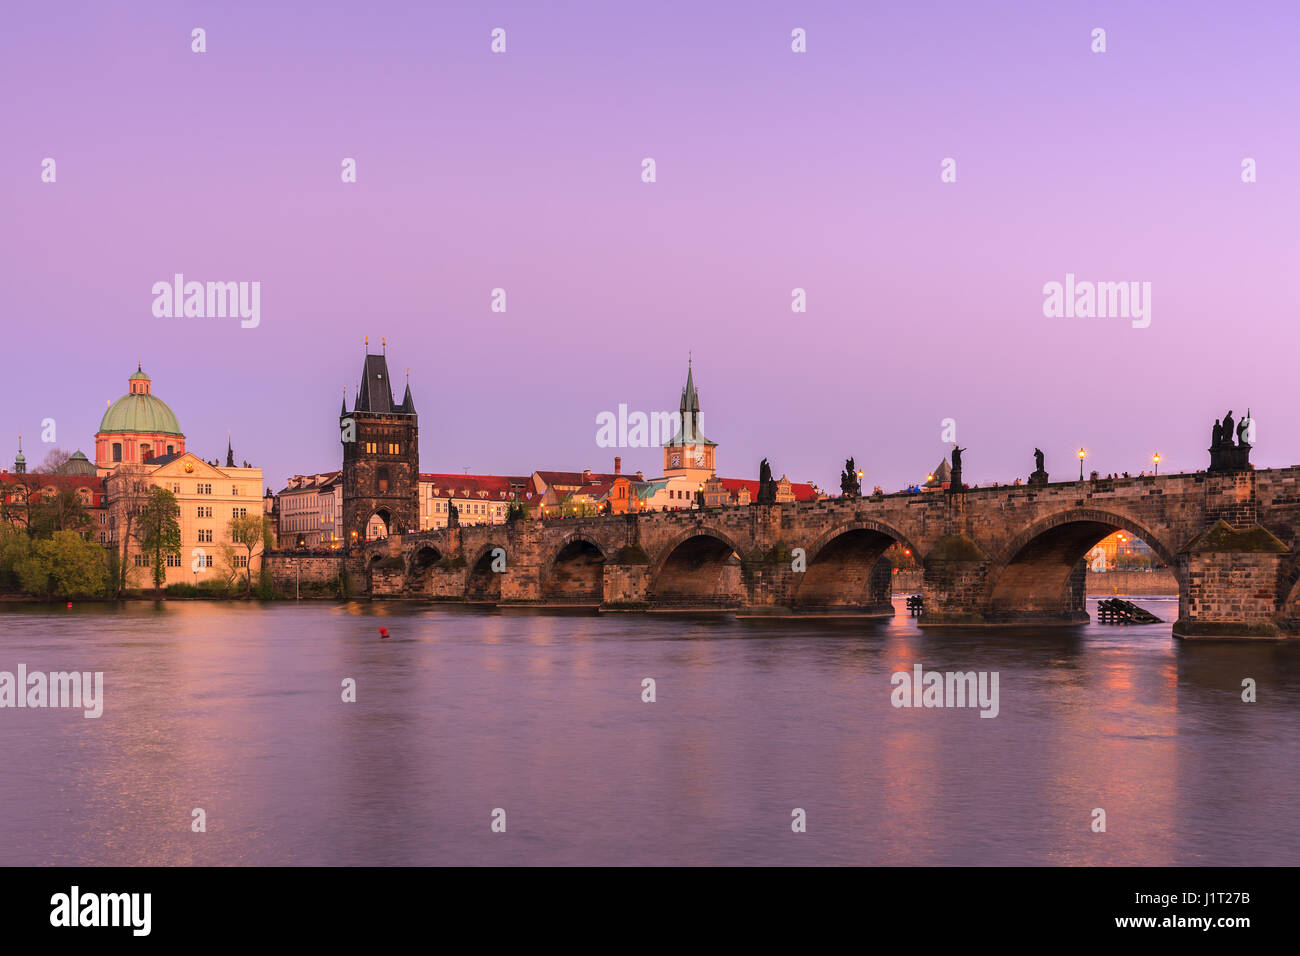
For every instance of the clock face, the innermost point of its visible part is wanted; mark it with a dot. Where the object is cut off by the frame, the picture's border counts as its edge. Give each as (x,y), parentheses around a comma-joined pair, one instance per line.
(699,461)
(676,460)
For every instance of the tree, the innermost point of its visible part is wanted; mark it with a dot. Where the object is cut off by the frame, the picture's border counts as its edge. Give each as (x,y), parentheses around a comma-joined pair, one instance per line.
(251,532)
(65,565)
(158,531)
(127,491)
(53,461)
(15,546)
(64,511)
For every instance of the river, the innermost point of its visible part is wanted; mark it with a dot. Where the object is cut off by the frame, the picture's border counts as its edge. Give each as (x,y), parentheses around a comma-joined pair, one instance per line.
(237,710)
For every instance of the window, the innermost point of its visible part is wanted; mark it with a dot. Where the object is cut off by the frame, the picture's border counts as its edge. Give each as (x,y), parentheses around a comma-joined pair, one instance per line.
(203,511)
(370,448)
(101,537)
(234,489)
(140,561)
(236,513)
(241,560)
(392,448)
(117,451)
(171,450)
(207,560)
(173,560)
(103,518)
(205,535)
(204,489)
(176,487)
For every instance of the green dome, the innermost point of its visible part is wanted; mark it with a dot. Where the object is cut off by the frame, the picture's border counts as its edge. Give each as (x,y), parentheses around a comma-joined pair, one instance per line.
(137,375)
(77,464)
(142,414)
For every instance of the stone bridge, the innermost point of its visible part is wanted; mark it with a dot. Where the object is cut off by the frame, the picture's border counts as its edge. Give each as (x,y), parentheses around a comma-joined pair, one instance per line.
(991,556)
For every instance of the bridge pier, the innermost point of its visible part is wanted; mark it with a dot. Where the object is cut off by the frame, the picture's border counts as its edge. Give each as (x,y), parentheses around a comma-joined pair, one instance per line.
(1234,584)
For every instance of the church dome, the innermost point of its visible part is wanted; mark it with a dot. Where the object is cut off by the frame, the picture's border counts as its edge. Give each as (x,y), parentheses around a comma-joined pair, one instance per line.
(78,464)
(140,412)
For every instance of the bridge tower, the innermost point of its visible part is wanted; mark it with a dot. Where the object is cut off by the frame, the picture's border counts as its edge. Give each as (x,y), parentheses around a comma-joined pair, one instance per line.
(381,458)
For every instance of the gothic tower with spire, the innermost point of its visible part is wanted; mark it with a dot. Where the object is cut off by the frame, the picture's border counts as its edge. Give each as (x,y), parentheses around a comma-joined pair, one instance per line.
(381,458)
(688,453)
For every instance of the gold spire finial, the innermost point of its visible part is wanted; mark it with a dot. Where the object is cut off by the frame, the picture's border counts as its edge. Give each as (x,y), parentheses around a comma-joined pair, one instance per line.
(367,345)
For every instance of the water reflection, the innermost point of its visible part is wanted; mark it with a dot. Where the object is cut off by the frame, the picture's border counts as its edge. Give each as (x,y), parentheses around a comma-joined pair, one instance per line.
(237,709)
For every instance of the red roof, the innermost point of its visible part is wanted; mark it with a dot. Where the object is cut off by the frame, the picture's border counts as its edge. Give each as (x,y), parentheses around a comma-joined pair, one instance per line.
(575,477)
(498,487)
(800,491)
(37,482)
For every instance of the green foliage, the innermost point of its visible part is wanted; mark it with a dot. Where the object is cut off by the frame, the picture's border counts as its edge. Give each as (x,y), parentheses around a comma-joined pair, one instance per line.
(158,531)
(15,546)
(251,532)
(63,512)
(212,588)
(65,565)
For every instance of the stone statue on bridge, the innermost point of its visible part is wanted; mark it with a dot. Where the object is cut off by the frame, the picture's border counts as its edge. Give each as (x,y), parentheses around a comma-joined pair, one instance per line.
(850,484)
(954,483)
(766,486)
(453,514)
(1225,455)
(1243,430)
(1039,477)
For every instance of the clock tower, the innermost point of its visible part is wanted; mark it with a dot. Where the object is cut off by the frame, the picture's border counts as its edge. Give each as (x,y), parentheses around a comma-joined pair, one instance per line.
(689,454)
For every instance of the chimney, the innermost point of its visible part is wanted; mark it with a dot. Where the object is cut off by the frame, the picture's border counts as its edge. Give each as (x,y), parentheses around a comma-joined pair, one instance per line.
(618,465)
(586,476)
(640,477)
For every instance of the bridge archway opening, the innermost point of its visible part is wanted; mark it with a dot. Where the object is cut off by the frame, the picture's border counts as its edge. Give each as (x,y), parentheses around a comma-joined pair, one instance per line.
(378,525)
(1046,575)
(577,575)
(849,572)
(484,584)
(700,571)
(425,558)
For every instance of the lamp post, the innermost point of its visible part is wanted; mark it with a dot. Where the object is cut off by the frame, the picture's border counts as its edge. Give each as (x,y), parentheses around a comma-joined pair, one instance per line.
(1156,459)
(1082,455)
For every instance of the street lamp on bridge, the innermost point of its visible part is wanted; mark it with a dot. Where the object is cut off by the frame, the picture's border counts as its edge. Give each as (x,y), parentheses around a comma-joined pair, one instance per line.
(1082,454)
(1156,459)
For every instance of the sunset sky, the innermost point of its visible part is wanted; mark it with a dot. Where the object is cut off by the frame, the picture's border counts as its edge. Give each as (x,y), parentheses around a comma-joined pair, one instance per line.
(775,170)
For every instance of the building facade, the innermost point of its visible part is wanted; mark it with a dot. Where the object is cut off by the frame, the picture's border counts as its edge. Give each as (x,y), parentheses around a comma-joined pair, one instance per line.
(207,497)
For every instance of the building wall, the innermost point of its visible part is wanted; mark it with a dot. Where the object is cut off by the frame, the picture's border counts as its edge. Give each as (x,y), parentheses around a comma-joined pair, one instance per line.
(208,498)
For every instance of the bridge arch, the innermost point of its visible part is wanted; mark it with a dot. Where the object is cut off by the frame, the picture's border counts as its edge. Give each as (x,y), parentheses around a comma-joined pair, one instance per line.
(482,583)
(574,572)
(1037,573)
(699,567)
(845,571)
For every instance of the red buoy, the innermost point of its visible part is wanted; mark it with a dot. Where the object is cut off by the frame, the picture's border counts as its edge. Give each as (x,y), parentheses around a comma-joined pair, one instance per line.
(383,632)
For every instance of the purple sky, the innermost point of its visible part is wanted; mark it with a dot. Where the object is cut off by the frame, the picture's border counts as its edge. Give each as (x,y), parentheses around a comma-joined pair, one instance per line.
(775,170)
